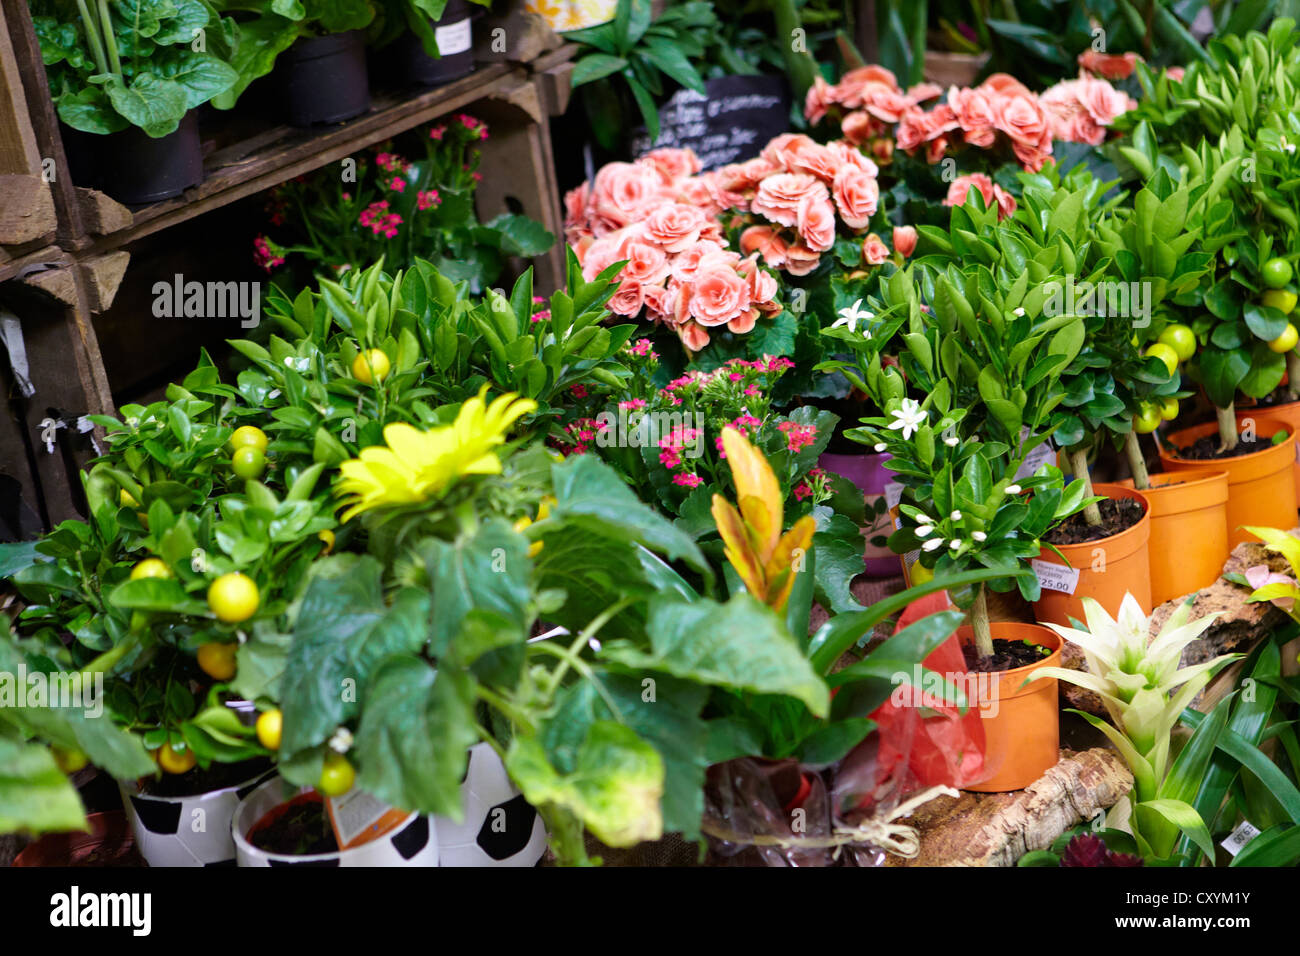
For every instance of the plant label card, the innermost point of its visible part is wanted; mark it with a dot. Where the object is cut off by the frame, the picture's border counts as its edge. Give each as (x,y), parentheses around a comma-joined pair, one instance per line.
(1238,838)
(453,38)
(893,494)
(729,122)
(357,818)
(1043,454)
(1055,577)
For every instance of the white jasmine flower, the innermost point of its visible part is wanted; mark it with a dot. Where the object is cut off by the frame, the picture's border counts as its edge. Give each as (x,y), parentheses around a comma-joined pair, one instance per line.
(1019,311)
(341,742)
(924,531)
(851,315)
(954,544)
(955,516)
(951,441)
(909,417)
(1013,489)
(979,535)
(880,446)
(932,544)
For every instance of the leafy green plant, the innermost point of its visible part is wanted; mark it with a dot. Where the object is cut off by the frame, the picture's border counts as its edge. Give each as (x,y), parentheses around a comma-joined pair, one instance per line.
(113,64)
(395,17)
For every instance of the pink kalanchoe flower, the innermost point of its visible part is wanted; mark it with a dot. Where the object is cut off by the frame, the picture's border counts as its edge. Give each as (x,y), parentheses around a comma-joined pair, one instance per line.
(427,199)
(398,185)
(632,404)
(437,132)
(578,391)
(265,255)
(802,490)
(688,480)
(1260,575)
(670,458)
(797,436)
(753,391)
(643,347)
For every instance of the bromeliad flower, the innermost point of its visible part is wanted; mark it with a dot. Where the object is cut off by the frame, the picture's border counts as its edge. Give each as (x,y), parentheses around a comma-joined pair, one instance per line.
(419,465)
(909,416)
(851,315)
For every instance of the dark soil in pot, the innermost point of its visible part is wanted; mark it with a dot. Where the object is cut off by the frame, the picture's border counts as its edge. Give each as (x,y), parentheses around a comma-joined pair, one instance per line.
(1207,448)
(1007,656)
(217,777)
(300,827)
(1117,514)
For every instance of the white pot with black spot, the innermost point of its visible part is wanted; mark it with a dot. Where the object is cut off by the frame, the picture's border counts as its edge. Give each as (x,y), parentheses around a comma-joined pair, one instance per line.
(413,842)
(500,827)
(187,830)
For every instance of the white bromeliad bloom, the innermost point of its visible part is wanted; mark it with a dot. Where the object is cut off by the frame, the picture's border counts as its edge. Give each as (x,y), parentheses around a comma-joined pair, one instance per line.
(909,416)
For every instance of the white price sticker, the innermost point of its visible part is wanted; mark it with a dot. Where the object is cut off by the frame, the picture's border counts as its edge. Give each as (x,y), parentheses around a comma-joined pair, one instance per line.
(893,493)
(453,38)
(1043,454)
(1239,837)
(1055,577)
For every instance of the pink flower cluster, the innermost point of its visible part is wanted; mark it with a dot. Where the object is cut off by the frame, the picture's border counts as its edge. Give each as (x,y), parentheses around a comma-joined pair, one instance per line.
(427,199)
(379,220)
(672,444)
(1000,111)
(807,486)
(797,436)
(582,432)
(265,254)
(677,268)
(1082,109)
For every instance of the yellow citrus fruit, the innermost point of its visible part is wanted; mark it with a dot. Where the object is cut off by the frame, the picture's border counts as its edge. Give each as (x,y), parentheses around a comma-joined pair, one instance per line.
(1181,339)
(126,499)
(233,598)
(270,724)
(1169,409)
(919,574)
(1147,419)
(248,436)
(368,362)
(1281,299)
(336,776)
(1166,354)
(1286,341)
(173,761)
(218,660)
(150,568)
(69,761)
(248,462)
(328,537)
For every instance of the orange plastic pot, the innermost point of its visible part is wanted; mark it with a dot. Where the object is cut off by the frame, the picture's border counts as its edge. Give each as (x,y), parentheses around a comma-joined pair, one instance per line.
(1289,413)
(1021,722)
(1105,569)
(1189,531)
(1261,485)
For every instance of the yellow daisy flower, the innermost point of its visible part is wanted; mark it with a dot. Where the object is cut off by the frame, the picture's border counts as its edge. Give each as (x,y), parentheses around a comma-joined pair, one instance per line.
(417,465)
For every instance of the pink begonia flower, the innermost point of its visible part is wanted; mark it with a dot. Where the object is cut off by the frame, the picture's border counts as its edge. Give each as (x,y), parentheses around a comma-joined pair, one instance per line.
(1260,575)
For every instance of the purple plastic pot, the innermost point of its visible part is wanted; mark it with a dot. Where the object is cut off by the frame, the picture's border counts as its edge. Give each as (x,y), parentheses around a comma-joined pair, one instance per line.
(867,472)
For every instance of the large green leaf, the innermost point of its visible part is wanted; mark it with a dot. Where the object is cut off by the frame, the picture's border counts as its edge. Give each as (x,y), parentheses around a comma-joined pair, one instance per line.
(739,645)
(614,788)
(343,629)
(202,75)
(152,103)
(415,733)
(35,796)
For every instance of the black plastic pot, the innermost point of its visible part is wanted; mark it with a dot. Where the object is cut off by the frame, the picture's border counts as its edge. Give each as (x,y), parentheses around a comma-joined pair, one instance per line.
(324,78)
(454,33)
(135,168)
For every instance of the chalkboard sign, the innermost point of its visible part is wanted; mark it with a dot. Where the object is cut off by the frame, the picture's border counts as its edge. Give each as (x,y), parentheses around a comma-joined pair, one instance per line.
(730,123)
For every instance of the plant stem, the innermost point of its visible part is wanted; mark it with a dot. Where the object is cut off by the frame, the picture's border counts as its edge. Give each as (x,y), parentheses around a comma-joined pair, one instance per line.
(110,657)
(581,641)
(1293,375)
(1137,462)
(1079,464)
(1227,426)
(92,36)
(799,64)
(979,619)
(565,831)
(110,41)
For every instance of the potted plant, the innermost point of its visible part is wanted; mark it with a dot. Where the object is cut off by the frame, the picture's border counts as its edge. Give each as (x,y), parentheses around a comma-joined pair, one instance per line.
(431,41)
(126,88)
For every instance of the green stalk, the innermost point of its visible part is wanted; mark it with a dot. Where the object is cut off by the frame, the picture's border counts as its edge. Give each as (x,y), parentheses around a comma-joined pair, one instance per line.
(800,66)
(107,660)
(566,832)
(1137,462)
(979,619)
(1227,427)
(110,41)
(1079,464)
(92,36)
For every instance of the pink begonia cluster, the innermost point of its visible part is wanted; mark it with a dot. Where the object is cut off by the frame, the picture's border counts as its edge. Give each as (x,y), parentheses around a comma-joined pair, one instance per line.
(659,216)
(875,114)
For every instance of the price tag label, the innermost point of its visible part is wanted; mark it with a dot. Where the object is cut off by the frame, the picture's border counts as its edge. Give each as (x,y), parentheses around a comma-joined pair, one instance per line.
(1239,837)
(453,38)
(1055,577)
(1043,454)
(358,817)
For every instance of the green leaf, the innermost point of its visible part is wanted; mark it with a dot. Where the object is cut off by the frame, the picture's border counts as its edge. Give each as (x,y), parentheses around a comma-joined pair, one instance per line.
(595,66)
(614,788)
(667,57)
(740,645)
(1185,817)
(35,795)
(152,103)
(415,734)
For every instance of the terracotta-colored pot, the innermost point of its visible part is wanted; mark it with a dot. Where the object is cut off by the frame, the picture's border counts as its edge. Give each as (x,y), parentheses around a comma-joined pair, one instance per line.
(1289,413)
(1021,721)
(1189,531)
(1105,569)
(106,842)
(1261,485)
